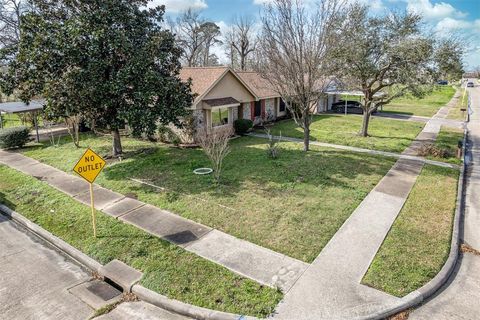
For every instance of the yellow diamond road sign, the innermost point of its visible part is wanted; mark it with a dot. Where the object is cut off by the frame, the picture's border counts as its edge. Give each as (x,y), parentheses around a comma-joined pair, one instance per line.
(89,165)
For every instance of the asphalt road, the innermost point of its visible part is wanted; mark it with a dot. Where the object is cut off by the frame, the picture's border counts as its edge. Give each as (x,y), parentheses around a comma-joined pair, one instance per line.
(460,297)
(35,278)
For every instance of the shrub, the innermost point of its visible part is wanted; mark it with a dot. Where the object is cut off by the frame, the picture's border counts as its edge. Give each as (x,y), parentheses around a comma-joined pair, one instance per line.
(167,135)
(272,145)
(13,137)
(242,126)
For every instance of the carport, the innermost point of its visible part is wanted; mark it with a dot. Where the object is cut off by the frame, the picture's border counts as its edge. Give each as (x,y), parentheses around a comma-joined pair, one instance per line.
(20,107)
(347,94)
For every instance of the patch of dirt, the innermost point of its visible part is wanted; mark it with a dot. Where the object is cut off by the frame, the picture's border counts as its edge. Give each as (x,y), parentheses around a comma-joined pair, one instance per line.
(131,195)
(400,316)
(429,149)
(467,249)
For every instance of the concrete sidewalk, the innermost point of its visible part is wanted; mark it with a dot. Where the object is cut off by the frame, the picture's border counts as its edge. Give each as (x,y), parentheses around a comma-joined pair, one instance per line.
(330,288)
(252,261)
(458,299)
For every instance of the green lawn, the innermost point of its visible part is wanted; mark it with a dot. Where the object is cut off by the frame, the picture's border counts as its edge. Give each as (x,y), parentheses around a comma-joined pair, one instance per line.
(385,134)
(447,141)
(418,243)
(15,120)
(425,107)
(167,268)
(293,204)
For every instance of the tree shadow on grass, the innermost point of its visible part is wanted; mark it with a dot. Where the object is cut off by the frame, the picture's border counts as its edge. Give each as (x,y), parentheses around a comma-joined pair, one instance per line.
(247,164)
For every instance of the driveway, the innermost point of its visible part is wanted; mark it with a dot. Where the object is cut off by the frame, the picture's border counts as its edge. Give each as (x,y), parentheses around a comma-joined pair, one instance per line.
(459,299)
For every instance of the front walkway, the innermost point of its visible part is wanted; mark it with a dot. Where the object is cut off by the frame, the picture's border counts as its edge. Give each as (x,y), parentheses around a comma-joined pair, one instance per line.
(252,261)
(460,296)
(330,288)
(405,156)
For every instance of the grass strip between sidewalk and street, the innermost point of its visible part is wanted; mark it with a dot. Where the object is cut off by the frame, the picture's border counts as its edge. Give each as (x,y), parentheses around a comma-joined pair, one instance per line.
(418,244)
(168,269)
(447,142)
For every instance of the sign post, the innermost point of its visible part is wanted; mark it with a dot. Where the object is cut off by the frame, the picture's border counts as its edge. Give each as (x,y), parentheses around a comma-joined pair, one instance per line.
(89,167)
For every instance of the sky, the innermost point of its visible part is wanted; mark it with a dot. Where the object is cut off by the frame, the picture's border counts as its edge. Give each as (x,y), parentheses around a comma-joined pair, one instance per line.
(441,16)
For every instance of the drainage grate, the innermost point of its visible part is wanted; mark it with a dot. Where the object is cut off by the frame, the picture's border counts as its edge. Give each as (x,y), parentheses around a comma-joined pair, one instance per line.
(104,290)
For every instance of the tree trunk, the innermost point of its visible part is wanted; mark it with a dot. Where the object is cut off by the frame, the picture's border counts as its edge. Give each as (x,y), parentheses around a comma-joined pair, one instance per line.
(117,143)
(366,121)
(306,134)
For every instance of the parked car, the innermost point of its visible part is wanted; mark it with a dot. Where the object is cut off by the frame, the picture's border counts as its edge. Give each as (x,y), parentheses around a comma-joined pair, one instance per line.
(442,82)
(470,84)
(352,107)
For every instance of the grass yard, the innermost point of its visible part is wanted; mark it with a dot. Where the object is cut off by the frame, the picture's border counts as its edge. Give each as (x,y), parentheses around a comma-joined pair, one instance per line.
(425,107)
(418,243)
(385,134)
(293,204)
(447,142)
(168,269)
(456,113)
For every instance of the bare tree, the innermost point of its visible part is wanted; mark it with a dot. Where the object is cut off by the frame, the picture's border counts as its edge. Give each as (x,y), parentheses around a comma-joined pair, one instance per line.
(387,54)
(230,51)
(189,36)
(73,127)
(210,32)
(10,13)
(215,145)
(293,53)
(242,39)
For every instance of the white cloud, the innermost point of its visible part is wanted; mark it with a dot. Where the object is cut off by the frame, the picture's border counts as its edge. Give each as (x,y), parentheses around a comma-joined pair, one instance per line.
(180,5)
(451,24)
(433,11)
(262,2)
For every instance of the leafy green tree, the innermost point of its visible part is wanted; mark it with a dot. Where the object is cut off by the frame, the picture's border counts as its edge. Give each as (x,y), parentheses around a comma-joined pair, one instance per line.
(385,54)
(107,60)
(449,58)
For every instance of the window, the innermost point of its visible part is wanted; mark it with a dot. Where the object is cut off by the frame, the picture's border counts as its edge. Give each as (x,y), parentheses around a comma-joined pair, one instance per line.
(281,107)
(258,109)
(219,117)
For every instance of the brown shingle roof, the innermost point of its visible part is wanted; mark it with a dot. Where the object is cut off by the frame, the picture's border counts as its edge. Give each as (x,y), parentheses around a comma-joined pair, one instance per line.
(202,78)
(261,86)
(221,101)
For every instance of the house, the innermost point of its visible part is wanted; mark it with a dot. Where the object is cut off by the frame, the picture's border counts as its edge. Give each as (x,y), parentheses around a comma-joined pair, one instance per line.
(268,106)
(219,96)
(223,96)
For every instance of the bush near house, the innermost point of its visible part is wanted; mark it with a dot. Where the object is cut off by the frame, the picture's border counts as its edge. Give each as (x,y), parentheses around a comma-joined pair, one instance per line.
(242,126)
(13,137)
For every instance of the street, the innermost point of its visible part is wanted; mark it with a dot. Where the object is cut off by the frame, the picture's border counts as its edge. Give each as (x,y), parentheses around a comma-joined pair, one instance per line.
(458,299)
(35,282)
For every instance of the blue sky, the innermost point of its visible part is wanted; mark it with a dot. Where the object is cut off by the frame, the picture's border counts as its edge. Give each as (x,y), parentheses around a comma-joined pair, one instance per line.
(443,16)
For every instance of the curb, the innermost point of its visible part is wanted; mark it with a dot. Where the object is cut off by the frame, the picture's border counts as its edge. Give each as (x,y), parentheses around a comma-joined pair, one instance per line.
(430,288)
(74,253)
(143,293)
(184,308)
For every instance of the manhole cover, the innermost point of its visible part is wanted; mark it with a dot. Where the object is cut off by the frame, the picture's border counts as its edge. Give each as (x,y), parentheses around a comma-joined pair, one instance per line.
(103,290)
